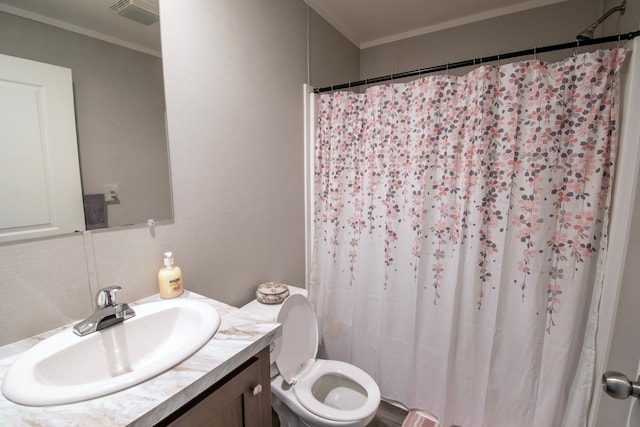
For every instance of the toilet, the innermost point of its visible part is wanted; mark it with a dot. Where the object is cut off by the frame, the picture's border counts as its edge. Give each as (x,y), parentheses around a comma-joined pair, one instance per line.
(309,391)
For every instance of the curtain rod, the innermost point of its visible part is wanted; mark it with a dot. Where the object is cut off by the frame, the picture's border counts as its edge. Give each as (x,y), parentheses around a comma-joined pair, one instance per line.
(478,61)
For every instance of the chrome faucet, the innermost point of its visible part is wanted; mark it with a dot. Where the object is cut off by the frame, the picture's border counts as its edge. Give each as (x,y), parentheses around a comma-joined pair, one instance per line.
(107,312)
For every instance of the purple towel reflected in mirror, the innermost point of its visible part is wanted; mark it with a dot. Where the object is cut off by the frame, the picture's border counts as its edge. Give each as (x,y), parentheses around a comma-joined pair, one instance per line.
(95,211)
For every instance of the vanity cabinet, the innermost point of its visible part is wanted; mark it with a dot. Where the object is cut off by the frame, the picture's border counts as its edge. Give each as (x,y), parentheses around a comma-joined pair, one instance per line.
(225,383)
(242,398)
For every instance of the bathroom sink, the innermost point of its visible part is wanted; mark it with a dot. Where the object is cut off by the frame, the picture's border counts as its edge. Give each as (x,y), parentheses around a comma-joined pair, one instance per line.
(66,368)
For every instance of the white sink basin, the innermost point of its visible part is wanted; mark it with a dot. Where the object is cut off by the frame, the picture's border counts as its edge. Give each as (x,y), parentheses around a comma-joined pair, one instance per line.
(66,368)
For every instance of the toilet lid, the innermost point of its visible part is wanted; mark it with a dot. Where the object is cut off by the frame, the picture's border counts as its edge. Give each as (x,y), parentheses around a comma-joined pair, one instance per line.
(299,337)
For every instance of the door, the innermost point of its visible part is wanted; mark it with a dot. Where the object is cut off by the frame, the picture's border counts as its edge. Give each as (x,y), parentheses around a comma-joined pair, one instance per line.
(39,168)
(634,412)
(626,390)
(618,346)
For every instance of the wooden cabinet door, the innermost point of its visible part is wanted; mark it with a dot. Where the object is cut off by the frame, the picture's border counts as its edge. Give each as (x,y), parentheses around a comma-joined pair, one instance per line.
(242,399)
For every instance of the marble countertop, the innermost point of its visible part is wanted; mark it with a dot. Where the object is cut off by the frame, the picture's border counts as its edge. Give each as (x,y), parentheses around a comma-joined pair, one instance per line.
(240,336)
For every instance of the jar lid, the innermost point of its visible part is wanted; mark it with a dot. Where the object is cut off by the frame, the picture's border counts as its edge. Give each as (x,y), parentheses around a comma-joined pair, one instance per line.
(272,293)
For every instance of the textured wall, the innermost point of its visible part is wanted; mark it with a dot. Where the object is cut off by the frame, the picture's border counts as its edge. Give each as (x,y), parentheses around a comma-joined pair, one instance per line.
(333,59)
(556,23)
(234,100)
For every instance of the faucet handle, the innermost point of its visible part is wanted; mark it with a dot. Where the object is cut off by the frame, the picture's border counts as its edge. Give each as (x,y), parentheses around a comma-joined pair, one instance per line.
(107,296)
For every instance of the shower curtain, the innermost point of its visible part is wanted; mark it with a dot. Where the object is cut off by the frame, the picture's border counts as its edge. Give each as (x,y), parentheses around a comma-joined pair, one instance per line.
(459,236)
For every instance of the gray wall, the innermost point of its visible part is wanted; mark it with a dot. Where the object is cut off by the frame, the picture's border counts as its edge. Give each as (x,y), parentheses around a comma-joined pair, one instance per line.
(120,112)
(542,26)
(332,58)
(233,76)
(234,101)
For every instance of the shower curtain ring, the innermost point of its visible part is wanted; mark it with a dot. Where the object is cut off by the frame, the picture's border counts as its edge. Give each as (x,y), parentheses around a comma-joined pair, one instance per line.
(575,48)
(618,42)
(535,53)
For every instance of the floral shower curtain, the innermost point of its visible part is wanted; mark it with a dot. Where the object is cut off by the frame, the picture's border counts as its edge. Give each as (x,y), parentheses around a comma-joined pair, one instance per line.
(459,236)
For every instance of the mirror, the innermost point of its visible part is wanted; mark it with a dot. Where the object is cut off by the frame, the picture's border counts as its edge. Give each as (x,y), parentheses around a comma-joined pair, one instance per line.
(119,100)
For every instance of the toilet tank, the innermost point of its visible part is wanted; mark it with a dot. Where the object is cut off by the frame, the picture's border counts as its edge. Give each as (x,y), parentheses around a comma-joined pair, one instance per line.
(270,311)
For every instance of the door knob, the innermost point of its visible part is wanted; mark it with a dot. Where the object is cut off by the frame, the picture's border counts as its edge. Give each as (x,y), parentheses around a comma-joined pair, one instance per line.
(619,386)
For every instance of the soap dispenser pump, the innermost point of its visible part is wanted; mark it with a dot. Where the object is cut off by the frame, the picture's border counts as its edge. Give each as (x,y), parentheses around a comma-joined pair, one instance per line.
(170,278)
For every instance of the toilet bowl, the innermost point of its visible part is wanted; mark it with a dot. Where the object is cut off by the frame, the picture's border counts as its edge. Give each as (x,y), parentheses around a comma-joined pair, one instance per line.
(310,391)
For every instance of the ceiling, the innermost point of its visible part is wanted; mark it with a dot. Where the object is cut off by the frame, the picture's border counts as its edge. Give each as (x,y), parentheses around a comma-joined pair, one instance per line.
(365,23)
(90,17)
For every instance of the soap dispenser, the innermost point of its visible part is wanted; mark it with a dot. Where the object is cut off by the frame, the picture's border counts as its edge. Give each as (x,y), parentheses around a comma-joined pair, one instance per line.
(170,278)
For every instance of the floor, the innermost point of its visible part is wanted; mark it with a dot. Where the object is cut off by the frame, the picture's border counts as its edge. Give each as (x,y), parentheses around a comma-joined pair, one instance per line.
(387,416)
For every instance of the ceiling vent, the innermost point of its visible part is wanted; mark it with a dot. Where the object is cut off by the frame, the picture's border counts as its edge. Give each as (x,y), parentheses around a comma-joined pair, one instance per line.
(142,11)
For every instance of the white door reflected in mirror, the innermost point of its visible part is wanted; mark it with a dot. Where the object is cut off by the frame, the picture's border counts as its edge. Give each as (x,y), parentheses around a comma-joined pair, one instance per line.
(40,184)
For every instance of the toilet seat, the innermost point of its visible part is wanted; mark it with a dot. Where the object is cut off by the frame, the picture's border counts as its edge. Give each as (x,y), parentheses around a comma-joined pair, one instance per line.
(357,407)
(352,393)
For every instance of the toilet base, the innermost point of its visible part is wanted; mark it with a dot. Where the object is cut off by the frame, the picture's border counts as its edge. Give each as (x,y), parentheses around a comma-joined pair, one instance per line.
(286,416)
